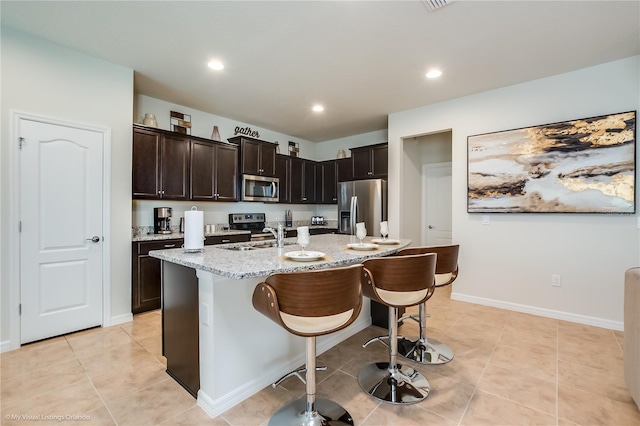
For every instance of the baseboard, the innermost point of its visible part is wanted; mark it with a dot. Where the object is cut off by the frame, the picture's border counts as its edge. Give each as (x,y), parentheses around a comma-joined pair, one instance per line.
(215,407)
(548,313)
(5,346)
(120,319)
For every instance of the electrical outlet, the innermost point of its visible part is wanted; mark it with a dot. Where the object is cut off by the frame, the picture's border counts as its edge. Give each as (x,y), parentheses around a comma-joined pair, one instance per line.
(556,280)
(205,314)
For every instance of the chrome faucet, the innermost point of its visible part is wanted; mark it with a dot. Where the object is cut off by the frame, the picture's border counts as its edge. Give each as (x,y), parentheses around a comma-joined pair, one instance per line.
(278,235)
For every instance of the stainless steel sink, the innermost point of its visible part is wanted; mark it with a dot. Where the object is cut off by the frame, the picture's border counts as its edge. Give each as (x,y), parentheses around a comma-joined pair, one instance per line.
(255,246)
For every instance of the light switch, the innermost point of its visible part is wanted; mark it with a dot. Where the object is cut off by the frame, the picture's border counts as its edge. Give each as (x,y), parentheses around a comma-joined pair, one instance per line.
(485,220)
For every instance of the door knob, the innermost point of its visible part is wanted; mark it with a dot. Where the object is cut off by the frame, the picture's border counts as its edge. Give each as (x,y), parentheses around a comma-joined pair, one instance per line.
(430,226)
(95,239)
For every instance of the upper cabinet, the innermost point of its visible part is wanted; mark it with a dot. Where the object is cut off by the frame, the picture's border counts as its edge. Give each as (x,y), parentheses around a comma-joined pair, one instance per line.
(283,173)
(256,157)
(345,169)
(327,177)
(302,188)
(171,166)
(370,162)
(214,171)
(160,165)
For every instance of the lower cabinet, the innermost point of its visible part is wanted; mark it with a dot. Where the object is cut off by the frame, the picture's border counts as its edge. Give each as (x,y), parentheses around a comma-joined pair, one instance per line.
(146,271)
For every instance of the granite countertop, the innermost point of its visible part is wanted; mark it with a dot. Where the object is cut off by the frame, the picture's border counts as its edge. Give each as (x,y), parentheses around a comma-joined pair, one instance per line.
(219,260)
(178,235)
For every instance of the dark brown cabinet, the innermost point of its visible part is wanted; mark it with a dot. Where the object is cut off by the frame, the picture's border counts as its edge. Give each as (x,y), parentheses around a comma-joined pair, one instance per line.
(256,157)
(160,165)
(146,279)
(145,283)
(345,169)
(370,162)
(283,173)
(303,181)
(214,171)
(327,176)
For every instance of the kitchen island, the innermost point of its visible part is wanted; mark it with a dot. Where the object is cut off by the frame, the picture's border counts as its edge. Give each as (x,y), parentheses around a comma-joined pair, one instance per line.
(240,352)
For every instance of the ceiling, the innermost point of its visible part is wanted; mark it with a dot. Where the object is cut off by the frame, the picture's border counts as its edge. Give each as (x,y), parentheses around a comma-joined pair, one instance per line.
(362,60)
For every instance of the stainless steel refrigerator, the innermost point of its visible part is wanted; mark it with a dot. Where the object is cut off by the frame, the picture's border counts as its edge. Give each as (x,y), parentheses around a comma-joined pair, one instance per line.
(362,201)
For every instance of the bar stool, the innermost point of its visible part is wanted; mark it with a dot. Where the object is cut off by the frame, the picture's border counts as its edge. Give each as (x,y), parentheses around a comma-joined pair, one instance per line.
(397,282)
(420,348)
(311,304)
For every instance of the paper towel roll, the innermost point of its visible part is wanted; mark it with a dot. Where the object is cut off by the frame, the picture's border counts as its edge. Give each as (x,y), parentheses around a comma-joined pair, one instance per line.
(193,229)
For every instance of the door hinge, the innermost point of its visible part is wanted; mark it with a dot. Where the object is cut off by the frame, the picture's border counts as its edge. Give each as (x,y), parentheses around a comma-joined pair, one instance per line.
(20,142)
(20,309)
(20,226)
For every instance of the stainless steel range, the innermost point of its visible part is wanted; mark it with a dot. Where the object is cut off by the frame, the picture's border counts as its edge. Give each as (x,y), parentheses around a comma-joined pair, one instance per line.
(253,222)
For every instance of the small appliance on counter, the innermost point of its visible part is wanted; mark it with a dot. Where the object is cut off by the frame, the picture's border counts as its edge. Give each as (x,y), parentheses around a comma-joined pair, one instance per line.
(317,220)
(162,220)
(288,219)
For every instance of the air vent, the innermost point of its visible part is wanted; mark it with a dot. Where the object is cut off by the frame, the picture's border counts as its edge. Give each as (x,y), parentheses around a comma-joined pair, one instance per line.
(433,5)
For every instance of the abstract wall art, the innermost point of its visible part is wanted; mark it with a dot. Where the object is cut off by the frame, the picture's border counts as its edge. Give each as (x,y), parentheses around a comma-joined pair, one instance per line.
(579,166)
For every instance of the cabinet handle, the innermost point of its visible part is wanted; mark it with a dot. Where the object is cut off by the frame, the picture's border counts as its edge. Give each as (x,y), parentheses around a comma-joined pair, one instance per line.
(169,245)
(226,241)
(304,198)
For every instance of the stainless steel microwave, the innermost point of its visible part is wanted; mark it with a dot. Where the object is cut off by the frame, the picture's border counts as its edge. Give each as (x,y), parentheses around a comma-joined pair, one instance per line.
(260,188)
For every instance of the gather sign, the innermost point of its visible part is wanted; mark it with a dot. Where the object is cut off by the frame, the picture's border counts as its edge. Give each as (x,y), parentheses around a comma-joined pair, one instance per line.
(246,131)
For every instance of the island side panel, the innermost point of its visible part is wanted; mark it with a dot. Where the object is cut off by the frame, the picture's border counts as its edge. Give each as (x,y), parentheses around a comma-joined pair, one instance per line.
(242,351)
(180,321)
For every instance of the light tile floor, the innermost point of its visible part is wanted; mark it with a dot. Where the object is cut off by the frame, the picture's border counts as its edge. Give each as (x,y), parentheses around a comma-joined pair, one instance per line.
(509,369)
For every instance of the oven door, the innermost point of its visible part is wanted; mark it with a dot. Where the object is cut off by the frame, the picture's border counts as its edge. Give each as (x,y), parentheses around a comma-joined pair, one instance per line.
(260,188)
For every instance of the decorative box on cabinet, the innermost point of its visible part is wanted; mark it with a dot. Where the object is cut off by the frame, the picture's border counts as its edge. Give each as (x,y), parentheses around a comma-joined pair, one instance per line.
(256,157)
(370,162)
(160,165)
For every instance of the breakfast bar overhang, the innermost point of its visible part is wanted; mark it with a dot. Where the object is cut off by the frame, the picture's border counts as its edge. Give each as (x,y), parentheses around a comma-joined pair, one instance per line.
(240,352)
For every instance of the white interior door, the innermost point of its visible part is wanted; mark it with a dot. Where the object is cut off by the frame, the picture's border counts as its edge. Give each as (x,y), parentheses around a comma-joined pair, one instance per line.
(437,210)
(61,188)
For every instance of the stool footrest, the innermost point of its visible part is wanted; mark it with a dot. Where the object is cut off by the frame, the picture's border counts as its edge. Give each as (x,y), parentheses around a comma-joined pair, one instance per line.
(402,385)
(298,373)
(425,351)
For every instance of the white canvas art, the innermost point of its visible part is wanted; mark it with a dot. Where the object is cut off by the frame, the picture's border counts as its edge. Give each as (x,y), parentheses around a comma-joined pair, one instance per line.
(578,166)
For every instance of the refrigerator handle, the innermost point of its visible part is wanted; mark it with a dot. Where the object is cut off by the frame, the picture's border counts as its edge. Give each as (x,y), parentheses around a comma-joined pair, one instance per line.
(353,211)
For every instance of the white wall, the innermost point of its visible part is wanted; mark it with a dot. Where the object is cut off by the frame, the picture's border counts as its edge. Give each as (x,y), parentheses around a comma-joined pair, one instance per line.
(48,80)
(202,124)
(328,150)
(509,263)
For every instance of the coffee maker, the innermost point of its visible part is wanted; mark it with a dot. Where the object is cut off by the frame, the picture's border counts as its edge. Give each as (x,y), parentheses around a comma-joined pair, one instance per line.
(162,220)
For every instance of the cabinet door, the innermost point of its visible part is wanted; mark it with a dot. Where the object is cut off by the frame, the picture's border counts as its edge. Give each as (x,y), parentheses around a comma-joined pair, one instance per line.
(283,171)
(309,195)
(361,161)
(329,183)
(174,173)
(226,173)
(297,175)
(146,279)
(145,165)
(268,159)
(202,171)
(380,161)
(250,157)
(345,169)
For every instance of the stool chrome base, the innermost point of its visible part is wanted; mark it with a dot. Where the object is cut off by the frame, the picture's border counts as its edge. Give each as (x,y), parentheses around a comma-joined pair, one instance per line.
(425,351)
(403,385)
(327,413)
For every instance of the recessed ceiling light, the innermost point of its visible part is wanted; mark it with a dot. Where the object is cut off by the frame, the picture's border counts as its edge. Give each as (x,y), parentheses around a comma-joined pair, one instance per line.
(434,74)
(318,108)
(216,65)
